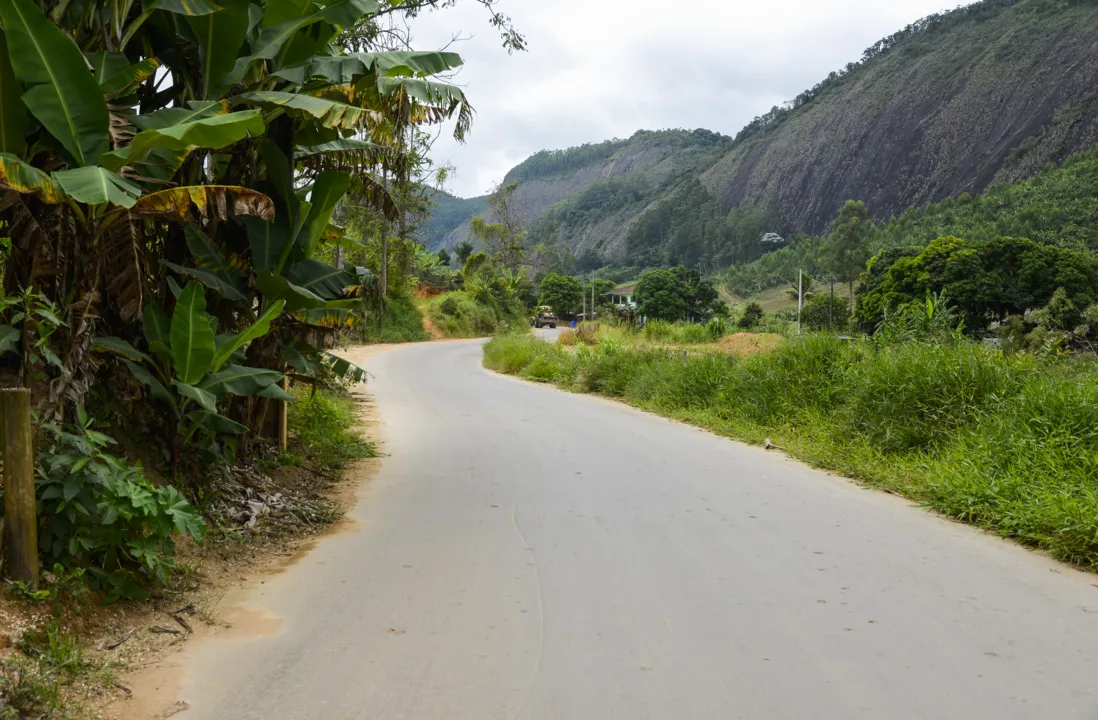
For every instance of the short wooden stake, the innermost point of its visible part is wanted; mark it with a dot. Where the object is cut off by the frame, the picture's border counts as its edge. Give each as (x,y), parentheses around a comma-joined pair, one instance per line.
(20,514)
(284,418)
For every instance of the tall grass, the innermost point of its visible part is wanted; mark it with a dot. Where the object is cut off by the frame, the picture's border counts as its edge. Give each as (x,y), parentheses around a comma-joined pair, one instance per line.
(402,322)
(1009,443)
(459,315)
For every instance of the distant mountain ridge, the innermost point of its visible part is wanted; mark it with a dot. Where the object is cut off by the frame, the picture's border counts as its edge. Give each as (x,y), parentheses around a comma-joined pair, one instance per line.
(991,92)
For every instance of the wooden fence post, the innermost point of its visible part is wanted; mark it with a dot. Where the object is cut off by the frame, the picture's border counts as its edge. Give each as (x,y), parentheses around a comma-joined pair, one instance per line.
(20,514)
(284,419)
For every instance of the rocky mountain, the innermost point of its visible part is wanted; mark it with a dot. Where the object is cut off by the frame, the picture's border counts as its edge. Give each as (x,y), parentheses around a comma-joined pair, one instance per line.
(991,92)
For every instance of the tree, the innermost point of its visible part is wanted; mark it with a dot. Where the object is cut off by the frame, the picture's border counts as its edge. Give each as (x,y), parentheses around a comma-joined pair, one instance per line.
(444,256)
(563,293)
(984,281)
(845,253)
(752,315)
(504,235)
(659,296)
(699,295)
(463,250)
(818,313)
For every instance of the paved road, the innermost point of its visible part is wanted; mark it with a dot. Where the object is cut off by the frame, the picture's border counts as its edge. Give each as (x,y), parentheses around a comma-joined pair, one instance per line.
(531,554)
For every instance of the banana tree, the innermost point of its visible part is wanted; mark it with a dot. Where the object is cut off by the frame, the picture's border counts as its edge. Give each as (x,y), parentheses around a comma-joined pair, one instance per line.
(187,367)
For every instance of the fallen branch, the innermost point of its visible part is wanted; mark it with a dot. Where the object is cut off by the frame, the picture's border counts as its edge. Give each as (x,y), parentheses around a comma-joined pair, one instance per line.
(119,641)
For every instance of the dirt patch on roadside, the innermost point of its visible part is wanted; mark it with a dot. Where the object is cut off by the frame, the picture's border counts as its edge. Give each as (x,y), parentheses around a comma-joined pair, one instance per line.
(743,343)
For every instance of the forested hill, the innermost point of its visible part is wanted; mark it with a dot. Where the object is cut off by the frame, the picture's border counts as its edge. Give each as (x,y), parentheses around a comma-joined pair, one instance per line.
(587,186)
(991,92)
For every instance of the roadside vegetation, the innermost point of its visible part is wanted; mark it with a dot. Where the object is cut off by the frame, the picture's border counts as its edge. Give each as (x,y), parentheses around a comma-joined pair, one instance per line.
(1003,440)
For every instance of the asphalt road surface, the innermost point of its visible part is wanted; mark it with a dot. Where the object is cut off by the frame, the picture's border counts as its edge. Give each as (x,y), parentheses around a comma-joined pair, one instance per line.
(525,553)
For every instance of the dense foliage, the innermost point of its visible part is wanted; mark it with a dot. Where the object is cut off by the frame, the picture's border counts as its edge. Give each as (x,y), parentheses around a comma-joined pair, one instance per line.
(986,281)
(563,293)
(677,294)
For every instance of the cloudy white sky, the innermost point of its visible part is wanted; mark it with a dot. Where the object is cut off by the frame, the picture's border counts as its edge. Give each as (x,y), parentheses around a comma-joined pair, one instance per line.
(599,69)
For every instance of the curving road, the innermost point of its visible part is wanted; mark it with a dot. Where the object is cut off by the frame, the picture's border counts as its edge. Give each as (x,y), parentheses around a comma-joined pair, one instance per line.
(529,554)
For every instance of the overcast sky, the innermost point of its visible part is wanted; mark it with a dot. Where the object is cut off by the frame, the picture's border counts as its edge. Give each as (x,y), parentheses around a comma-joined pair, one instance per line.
(599,69)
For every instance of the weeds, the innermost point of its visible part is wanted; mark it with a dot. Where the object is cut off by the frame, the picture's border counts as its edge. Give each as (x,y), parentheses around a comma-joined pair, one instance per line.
(28,689)
(322,426)
(1009,443)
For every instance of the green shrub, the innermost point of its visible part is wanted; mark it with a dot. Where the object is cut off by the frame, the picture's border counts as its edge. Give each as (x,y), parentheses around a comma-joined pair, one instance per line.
(464,315)
(402,322)
(101,513)
(752,315)
(322,428)
(819,314)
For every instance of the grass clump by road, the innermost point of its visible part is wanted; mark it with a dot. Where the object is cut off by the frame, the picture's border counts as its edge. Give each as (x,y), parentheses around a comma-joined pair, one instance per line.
(1006,442)
(402,322)
(459,314)
(323,429)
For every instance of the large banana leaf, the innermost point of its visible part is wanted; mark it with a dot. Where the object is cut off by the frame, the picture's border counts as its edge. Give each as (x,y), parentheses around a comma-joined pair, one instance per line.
(159,392)
(95,185)
(342,145)
(278,287)
(347,69)
(212,132)
(225,287)
(267,239)
(258,329)
(220,36)
(327,191)
(331,113)
(61,92)
(196,202)
(114,73)
(21,177)
(206,399)
(192,337)
(157,327)
(321,279)
(240,380)
(13,113)
(215,423)
(177,116)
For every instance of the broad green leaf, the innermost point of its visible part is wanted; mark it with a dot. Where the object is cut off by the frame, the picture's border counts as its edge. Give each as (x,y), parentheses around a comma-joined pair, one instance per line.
(258,329)
(192,337)
(61,92)
(240,380)
(267,239)
(118,346)
(213,132)
(116,78)
(294,358)
(13,113)
(321,279)
(9,339)
(331,113)
(209,258)
(278,287)
(106,65)
(167,117)
(162,352)
(272,40)
(156,325)
(218,424)
(188,7)
(24,178)
(220,37)
(328,190)
(343,145)
(275,392)
(159,392)
(95,185)
(223,286)
(344,368)
(204,398)
(348,69)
